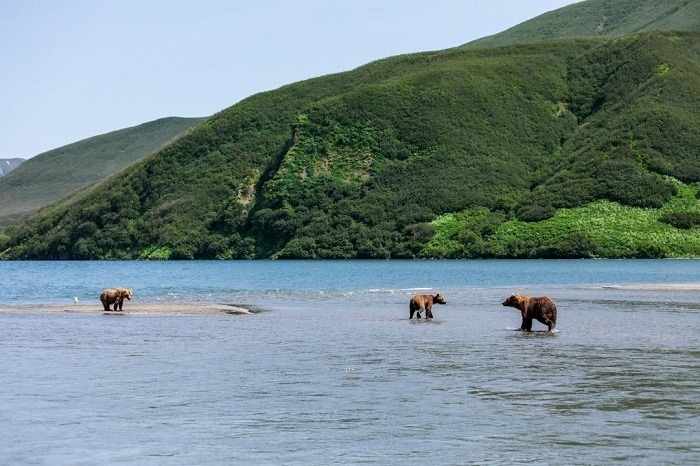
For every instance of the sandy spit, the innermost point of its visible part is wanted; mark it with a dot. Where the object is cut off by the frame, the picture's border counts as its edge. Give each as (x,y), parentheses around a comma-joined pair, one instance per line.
(133,308)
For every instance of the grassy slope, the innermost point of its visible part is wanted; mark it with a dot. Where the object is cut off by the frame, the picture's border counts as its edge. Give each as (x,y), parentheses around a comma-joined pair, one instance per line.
(599,229)
(622,17)
(639,137)
(53,174)
(420,113)
(448,154)
(357,164)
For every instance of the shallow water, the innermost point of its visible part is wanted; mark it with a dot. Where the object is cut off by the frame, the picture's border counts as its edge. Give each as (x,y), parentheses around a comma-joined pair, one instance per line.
(331,371)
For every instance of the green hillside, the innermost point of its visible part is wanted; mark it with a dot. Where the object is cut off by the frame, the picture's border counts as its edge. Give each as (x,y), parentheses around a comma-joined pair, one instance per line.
(550,149)
(601,18)
(47,177)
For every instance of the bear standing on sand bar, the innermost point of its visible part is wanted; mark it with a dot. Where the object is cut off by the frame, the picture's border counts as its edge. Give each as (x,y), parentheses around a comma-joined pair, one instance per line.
(116,297)
(542,308)
(425,302)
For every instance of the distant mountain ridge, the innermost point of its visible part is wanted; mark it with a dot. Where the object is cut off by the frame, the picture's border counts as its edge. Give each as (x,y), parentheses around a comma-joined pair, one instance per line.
(7,165)
(601,18)
(574,147)
(51,175)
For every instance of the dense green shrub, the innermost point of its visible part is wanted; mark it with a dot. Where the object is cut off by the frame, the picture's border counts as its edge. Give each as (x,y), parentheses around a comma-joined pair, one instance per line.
(575,245)
(683,220)
(535,213)
(423,155)
(624,182)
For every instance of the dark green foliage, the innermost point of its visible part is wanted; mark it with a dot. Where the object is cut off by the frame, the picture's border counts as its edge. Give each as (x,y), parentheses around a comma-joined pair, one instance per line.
(575,245)
(683,220)
(365,164)
(464,235)
(638,117)
(625,183)
(535,213)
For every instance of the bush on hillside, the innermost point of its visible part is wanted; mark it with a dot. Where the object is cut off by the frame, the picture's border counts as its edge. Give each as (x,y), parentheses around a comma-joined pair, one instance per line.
(535,213)
(682,220)
(623,182)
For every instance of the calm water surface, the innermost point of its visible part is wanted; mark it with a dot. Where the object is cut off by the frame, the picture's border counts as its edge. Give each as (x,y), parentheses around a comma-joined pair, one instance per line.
(331,371)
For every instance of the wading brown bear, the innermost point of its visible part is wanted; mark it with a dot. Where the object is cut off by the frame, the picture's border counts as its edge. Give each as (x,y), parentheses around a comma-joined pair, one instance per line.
(421,302)
(116,297)
(542,308)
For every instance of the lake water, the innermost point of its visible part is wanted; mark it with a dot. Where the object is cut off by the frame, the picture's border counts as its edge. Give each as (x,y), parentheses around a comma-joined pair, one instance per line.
(329,370)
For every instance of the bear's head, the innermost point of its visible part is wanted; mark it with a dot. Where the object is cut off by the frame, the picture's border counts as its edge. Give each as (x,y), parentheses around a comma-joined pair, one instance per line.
(513,300)
(124,293)
(439,299)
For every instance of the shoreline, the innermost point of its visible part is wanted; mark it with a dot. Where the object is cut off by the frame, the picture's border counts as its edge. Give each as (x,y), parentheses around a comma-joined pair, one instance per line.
(164,307)
(138,308)
(654,287)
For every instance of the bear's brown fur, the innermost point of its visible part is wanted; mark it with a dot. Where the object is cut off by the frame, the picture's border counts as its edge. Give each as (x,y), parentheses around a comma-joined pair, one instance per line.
(421,302)
(116,297)
(541,308)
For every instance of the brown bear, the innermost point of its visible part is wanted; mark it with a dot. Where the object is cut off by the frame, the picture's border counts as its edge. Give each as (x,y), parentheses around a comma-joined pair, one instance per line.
(542,308)
(116,297)
(425,302)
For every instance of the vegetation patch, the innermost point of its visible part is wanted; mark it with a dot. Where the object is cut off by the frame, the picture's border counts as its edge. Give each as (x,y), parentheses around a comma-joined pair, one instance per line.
(560,148)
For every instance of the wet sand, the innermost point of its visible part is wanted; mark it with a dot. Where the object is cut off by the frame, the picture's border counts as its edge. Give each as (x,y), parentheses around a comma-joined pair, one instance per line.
(133,308)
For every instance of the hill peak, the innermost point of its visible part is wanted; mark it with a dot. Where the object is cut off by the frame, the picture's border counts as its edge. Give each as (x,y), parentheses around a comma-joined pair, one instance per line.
(601,18)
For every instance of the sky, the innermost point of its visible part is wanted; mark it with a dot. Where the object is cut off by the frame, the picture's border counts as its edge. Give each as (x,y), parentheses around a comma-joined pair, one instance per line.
(74,69)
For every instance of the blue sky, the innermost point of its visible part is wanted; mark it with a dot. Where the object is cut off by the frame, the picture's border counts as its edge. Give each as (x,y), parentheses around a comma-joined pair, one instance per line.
(74,69)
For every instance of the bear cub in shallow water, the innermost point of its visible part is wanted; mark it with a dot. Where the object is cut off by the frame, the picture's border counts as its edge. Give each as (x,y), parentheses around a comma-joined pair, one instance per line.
(541,308)
(421,302)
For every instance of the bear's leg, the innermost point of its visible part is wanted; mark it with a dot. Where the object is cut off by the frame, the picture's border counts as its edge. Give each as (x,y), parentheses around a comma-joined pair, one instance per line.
(412,312)
(545,319)
(527,324)
(428,313)
(548,319)
(105,304)
(550,325)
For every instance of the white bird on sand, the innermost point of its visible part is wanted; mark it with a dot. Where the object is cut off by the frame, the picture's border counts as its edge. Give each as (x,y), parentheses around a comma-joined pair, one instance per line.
(75,299)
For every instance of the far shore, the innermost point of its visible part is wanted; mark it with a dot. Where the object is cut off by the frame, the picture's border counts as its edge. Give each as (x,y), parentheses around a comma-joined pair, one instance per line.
(133,308)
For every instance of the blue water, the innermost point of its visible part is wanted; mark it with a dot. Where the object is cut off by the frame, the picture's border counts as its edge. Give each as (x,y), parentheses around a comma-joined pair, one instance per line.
(331,371)
(258,281)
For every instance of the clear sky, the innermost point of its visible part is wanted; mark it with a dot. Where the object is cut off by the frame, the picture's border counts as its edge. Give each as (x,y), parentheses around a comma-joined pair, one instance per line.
(72,69)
